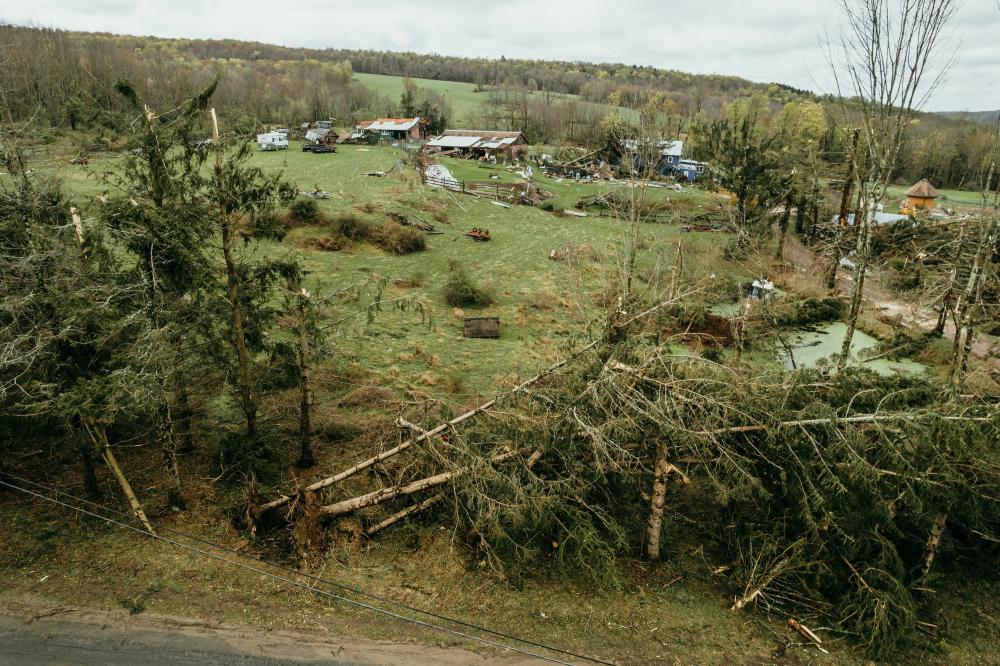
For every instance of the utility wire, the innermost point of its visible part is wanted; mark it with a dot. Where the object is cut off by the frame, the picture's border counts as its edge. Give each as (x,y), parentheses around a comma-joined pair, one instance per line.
(296,583)
(310,577)
(314,579)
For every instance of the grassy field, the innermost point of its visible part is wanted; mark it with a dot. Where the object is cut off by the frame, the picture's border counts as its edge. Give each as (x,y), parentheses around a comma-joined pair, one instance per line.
(467,104)
(948,198)
(544,305)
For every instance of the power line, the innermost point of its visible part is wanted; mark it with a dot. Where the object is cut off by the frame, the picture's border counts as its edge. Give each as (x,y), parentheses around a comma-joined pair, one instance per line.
(310,577)
(296,583)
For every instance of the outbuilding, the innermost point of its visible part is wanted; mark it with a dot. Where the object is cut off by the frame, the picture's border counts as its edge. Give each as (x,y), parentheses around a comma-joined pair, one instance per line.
(482,143)
(393,129)
(921,195)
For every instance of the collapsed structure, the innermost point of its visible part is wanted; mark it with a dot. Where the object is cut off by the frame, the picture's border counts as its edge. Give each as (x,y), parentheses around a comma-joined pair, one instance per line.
(481,143)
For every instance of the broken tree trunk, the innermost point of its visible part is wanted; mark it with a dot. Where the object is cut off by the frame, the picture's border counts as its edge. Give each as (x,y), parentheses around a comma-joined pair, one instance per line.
(400,515)
(385,455)
(100,440)
(654,527)
(247,400)
(306,457)
(391,492)
(779,253)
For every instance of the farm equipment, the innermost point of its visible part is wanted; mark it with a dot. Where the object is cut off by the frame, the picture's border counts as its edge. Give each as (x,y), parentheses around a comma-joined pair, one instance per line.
(479,235)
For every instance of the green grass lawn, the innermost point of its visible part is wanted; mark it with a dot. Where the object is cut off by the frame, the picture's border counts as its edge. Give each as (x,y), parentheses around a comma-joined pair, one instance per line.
(467,104)
(948,197)
(544,305)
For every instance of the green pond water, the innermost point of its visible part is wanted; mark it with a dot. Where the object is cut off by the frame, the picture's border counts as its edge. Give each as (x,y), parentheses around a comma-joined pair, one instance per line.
(814,347)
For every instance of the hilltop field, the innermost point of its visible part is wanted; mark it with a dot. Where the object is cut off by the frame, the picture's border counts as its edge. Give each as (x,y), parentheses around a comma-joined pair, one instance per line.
(468,104)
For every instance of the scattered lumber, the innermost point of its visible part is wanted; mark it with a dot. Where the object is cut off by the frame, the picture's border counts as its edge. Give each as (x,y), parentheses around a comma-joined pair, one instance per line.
(407,222)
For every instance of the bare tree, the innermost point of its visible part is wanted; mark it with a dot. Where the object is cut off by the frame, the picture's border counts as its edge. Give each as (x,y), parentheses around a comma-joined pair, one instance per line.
(891,62)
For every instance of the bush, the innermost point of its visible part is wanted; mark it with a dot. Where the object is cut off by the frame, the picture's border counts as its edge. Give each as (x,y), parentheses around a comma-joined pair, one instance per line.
(460,291)
(808,311)
(353,227)
(241,460)
(304,211)
(548,206)
(398,239)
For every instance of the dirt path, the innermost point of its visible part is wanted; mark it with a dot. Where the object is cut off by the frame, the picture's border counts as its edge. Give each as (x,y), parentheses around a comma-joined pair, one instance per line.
(917,317)
(38,631)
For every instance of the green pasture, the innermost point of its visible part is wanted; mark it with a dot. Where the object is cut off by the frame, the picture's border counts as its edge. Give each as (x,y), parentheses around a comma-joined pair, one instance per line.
(416,339)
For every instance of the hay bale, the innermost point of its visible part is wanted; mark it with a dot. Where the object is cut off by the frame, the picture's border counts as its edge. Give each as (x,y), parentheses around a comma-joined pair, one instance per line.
(482,327)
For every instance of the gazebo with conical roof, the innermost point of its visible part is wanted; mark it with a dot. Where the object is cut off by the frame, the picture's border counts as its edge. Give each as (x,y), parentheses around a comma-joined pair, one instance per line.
(921,195)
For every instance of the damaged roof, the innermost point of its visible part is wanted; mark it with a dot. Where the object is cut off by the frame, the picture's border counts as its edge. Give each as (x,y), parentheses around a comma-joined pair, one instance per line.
(390,124)
(485,139)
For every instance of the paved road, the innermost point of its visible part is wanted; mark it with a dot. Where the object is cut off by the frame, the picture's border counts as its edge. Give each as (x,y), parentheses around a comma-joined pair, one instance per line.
(55,643)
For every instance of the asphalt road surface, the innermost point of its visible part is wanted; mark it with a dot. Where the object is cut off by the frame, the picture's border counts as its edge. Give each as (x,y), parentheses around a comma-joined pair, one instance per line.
(36,631)
(59,643)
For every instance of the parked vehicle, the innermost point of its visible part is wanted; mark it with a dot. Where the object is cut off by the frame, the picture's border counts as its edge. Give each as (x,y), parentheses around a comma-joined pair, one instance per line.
(272,141)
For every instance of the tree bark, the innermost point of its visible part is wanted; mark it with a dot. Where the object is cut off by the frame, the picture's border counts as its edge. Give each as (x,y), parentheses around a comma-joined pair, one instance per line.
(100,440)
(405,513)
(842,218)
(391,492)
(657,501)
(168,446)
(779,253)
(247,402)
(185,418)
(862,251)
(306,458)
(934,541)
(947,298)
(91,486)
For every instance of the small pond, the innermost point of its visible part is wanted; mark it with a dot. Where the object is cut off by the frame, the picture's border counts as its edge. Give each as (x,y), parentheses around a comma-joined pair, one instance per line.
(812,346)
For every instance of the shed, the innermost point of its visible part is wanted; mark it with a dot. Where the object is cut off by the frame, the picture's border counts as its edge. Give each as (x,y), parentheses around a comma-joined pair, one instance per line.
(394,129)
(482,327)
(921,195)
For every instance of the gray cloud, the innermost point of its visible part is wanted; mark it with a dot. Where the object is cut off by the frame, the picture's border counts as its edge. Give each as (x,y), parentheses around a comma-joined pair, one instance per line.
(762,40)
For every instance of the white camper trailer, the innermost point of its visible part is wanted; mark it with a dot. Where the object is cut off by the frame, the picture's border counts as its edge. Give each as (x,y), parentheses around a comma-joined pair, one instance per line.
(272,141)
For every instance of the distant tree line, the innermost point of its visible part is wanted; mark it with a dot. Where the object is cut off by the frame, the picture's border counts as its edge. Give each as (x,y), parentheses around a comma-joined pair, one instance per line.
(67,79)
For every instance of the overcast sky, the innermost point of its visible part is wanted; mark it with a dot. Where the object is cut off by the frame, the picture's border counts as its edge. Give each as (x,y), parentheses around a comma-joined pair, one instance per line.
(762,40)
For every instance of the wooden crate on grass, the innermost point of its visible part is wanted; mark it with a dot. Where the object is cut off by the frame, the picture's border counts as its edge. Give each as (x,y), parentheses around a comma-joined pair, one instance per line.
(482,327)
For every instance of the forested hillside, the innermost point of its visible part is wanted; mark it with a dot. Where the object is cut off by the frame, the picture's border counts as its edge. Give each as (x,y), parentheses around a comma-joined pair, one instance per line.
(59,78)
